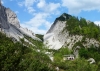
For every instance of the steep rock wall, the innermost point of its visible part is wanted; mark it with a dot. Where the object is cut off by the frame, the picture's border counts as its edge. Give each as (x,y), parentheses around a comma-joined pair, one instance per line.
(57,37)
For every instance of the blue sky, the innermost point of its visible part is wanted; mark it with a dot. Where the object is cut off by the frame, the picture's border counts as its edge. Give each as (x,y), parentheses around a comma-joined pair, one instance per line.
(39,15)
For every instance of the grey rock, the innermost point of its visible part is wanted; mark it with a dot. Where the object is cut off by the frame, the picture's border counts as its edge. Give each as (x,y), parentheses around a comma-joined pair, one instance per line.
(91,60)
(10,25)
(57,37)
(0,2)
(3,18)
(12,18)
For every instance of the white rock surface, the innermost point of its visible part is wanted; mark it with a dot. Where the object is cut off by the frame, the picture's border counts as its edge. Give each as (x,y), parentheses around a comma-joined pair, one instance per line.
(10,25)
(91,60)
(57,37)
(90,42)
(51,39)
(12,18)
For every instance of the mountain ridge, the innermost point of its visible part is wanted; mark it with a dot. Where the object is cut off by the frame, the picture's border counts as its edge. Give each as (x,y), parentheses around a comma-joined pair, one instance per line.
(64,33)
(63,17)
(10,25)
(70,44)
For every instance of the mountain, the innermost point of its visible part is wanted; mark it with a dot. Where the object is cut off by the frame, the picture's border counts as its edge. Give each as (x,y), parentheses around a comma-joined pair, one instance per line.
(20,48)
(9,24)
(68,31)
(74,44)
(71,44)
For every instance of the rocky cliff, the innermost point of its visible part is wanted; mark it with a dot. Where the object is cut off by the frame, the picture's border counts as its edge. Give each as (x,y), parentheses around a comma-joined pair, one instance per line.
(12,18)
(58,36)
(10,25)
(3,18)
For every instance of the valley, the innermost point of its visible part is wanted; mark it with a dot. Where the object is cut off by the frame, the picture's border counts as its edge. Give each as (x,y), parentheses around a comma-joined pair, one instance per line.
(71,44)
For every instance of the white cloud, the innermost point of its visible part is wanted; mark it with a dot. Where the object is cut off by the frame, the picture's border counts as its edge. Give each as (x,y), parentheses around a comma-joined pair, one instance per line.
(48,7)
(16,12)
(28,4)
(2,2)
(20,4)
(30,9)
(41,4)
(52,6)
(97,23)
(76,6)
(34,29)
(38,21)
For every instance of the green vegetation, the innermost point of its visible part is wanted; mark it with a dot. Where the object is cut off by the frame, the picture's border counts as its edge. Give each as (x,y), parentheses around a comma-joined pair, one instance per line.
(58,54)
(89,30)
(79,64)
(17,57)
(91,52)
(40,36)
(38,44)
(23,56)
(82,27)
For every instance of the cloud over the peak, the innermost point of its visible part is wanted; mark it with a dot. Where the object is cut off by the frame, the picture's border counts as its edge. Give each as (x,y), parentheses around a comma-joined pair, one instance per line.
(48,7)
(41,4)
(97,23)
(76,6)
(41,10)
(28,4)
(37,22)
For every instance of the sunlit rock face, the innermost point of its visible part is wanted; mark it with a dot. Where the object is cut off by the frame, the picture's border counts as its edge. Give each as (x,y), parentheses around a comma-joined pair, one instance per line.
(12,18)
(57,37)
(52,38)
(9,24)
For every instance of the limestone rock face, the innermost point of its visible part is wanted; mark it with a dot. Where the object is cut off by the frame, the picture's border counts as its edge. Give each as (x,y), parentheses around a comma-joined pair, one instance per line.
(3,18)
(12,18)
(10,25)
(57,37)
(52,38)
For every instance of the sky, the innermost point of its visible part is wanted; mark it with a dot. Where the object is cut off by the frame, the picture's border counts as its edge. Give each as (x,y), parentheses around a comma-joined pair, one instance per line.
(39,15)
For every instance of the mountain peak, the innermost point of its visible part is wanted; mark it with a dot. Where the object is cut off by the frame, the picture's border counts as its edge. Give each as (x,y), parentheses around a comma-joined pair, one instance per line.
(10,25)
(69,31)
(64,17)
(12,17)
